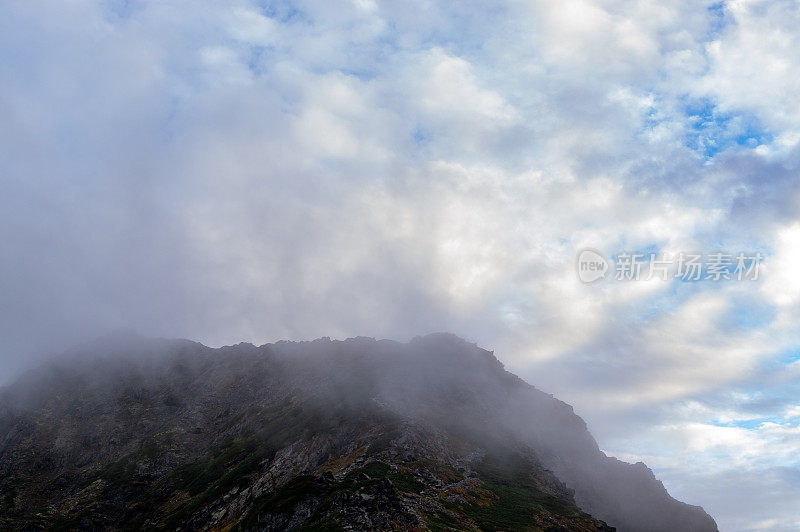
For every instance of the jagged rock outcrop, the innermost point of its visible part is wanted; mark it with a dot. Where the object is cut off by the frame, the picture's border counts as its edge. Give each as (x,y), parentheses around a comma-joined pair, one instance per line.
(359,434)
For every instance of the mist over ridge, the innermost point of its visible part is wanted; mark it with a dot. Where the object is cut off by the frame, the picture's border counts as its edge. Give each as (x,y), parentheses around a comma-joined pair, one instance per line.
(151,409)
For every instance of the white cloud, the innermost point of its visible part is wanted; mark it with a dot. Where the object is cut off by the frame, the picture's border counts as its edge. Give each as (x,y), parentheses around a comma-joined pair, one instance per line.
(782,281)
(754,63)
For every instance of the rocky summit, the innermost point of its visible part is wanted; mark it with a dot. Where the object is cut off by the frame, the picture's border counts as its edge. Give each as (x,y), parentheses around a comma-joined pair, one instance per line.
(131,433)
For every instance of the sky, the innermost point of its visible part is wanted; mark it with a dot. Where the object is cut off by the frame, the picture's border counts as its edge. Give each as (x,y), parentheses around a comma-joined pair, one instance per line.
(255,171)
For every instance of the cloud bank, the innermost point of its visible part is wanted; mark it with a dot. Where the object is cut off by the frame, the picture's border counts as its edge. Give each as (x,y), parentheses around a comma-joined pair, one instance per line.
(229,171)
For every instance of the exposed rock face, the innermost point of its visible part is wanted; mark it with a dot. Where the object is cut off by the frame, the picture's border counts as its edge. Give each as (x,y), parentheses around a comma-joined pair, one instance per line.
(359,435)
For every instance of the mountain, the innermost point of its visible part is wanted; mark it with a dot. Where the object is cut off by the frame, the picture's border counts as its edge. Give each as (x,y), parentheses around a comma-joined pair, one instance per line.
(131,433)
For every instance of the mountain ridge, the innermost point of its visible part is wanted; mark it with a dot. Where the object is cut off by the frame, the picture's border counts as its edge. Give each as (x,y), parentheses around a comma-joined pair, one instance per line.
(161,414)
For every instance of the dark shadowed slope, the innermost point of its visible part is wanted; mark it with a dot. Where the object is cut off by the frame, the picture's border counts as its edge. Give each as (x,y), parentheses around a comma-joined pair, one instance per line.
(360,434)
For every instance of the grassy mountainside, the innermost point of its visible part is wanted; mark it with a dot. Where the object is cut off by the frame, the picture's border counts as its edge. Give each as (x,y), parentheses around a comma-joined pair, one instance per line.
(431,435)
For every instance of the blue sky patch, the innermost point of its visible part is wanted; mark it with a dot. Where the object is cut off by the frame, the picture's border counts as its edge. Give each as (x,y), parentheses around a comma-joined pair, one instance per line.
(748,316)
(717,19)
(711,131)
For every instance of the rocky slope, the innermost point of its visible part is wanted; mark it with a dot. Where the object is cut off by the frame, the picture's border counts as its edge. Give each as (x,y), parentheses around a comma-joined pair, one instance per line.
(362,434)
